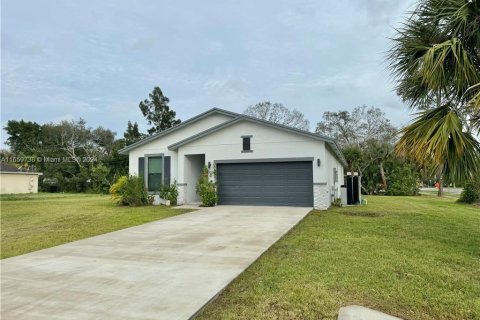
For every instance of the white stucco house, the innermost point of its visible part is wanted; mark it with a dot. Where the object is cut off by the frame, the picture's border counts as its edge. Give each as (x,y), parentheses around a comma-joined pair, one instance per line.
(256,162)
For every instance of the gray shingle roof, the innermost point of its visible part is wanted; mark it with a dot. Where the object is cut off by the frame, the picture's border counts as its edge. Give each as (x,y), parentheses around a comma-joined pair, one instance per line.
(8,168)
(236,117)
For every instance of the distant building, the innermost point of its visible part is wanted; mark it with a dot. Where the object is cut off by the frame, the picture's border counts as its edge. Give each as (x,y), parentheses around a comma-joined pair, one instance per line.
(14,180)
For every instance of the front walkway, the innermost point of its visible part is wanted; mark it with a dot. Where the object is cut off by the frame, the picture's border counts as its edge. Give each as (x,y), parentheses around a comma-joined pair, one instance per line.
(166,269)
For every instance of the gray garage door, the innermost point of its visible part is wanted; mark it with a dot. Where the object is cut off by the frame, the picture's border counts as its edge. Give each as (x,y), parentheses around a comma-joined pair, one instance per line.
(266,183)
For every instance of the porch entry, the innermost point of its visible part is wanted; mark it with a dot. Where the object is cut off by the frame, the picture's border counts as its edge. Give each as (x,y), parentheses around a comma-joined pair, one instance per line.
(193,168)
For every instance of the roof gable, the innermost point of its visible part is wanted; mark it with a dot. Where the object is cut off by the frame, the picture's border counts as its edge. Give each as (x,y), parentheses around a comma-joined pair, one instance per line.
(330,141)
(181,125)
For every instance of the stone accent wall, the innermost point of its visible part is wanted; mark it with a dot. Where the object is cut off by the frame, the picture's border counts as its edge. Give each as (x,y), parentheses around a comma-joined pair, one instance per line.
(182,193)
(321,196)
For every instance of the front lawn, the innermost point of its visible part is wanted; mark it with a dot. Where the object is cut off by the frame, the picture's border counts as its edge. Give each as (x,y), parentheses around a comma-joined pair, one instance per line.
(33,222)
(412,257)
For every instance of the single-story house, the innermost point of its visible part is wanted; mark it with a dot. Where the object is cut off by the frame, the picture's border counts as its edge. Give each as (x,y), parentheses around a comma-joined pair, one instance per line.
(256,162)
(14,180)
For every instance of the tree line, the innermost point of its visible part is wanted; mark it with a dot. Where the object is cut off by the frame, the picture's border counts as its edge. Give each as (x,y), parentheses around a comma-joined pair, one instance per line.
(435,61)
(74,157)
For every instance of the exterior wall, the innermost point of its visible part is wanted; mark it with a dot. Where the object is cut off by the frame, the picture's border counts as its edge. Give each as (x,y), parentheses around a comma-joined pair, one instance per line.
(182,193)
(268,143)
(18,182)
(161,144)
(331,163)
(226,144)
(193,169)
(321,196)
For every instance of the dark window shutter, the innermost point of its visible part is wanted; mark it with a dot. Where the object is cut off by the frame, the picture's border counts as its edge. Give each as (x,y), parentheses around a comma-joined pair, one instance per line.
(141,167)
(166,174)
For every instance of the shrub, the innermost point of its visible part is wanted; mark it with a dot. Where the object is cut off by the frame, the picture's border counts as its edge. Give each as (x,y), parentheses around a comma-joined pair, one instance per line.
(402,181)
(471,192)
(99,182)
(206,189)
(169,192)
(337,202)
(130,191)
(48,185)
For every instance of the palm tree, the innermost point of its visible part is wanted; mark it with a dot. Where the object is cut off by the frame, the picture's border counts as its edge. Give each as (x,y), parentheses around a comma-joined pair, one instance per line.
(435,59)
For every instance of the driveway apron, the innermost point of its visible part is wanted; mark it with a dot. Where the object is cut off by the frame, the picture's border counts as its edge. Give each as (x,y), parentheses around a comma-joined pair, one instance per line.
(168,269)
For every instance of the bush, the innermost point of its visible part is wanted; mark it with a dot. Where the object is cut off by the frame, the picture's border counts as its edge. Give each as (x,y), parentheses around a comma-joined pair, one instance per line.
(402,181)
(48,185)
(206,189)
(471,192)
(169,192)
(99,182)
(130,191)
(337,202)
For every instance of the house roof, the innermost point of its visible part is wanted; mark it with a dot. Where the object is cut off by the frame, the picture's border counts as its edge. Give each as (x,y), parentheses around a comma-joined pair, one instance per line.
(240,117)
(236,117)
(8,168)
(205,114)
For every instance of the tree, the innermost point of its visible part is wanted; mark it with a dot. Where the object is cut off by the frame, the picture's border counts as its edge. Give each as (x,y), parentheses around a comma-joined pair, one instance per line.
(116,163)
(103,140)
(132,134)
(23,137)
(71,155)
(366,138)
(436,63)
(157,112)
(278,113)
(77,141)
(403,181)
(369,160)
(356,127)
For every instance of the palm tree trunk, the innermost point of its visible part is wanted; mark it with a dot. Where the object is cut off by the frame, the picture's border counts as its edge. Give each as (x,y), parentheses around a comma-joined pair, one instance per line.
(382,175)
(440,169)
(440,181)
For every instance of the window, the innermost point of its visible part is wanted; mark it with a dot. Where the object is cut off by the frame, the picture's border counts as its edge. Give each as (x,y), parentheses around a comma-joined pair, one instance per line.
(155,173)
(246,144)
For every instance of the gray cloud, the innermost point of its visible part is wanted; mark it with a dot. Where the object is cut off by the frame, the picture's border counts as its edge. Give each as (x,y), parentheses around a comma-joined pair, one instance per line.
(97,60)
(380,12)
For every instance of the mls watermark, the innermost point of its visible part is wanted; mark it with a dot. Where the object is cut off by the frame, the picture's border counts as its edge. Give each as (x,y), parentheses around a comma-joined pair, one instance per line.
(27,159)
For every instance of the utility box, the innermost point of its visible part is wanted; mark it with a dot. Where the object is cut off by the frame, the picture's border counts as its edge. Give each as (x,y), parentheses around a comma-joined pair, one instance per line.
(343,195)
(353,186)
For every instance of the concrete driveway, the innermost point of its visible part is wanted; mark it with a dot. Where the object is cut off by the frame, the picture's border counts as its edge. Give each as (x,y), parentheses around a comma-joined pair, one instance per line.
(167,269)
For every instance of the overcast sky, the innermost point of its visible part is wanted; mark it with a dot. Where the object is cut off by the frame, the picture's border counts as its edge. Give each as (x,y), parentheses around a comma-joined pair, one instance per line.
(97,59)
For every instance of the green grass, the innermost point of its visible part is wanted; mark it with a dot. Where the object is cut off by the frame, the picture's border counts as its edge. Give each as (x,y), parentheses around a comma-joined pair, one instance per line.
(446,193)
(34,222)
(412,257)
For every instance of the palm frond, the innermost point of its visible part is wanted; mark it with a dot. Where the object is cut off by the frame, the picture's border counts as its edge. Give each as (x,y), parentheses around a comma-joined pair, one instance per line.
(437,138)
(437,50)
(473,96)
